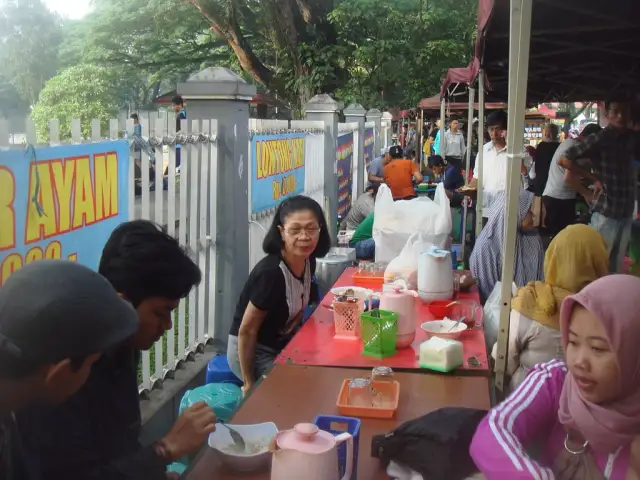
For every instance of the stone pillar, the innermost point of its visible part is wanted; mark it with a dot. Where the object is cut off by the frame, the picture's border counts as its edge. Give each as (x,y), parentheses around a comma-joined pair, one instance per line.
(218,93)
(324,108)
(387,119)
(375,115)
(356,113)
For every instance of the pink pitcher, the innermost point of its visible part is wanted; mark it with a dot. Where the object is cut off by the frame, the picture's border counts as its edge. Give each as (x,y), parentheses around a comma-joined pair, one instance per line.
(308,453)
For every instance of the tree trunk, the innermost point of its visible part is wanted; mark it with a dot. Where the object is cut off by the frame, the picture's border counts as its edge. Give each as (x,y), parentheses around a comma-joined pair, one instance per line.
(229,29)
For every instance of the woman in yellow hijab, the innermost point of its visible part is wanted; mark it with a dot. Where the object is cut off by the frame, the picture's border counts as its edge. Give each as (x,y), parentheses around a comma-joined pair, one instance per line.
(576,257)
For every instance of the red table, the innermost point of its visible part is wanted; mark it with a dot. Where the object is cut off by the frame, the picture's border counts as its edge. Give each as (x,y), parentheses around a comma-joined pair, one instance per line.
(315,344)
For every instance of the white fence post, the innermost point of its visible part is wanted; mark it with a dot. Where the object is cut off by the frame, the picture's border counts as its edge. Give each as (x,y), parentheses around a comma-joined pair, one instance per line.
(375,115)
(355,113)
(324,108)
(221,93)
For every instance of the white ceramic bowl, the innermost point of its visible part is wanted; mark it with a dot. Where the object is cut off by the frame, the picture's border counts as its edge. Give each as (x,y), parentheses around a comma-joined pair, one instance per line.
(360,292)
(257,435)
(440,328)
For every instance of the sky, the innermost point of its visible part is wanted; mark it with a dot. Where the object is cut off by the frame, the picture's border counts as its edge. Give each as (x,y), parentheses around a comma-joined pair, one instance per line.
(69,8)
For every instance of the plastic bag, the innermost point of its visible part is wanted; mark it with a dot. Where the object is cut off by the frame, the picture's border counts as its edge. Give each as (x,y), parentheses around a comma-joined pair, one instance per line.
(492,315)
(223,398)
(395,222)
(405,266)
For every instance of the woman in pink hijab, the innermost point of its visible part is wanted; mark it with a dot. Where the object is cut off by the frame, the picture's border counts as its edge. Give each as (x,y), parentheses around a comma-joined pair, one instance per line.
(584,412)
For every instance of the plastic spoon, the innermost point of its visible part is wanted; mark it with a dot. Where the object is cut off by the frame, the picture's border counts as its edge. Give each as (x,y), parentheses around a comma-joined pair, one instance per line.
(461,319)
(235,436)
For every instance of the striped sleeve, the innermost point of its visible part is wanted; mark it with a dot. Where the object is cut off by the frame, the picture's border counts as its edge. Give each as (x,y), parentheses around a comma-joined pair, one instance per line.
(498,446)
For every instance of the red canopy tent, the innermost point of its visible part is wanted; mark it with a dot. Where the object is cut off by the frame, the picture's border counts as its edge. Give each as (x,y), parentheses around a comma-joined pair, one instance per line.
(433,103)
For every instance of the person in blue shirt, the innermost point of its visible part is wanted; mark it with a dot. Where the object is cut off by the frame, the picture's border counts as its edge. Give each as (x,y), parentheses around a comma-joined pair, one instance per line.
(177,103)
(451,175)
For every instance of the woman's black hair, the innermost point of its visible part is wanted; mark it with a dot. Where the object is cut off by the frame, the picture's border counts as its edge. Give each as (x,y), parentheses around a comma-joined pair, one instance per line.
(273,243)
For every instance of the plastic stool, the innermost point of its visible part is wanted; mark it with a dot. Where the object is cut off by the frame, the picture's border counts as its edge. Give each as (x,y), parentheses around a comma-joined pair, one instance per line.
(218,371)
(337,425)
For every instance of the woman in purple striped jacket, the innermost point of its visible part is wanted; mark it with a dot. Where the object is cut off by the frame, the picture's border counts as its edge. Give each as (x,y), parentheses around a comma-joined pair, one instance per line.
(585,413)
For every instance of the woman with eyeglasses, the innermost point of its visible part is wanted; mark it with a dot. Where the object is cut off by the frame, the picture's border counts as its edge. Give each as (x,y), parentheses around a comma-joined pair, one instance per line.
(279,288)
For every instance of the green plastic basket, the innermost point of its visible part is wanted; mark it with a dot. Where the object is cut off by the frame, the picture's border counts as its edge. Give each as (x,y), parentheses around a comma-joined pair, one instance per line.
(379,331)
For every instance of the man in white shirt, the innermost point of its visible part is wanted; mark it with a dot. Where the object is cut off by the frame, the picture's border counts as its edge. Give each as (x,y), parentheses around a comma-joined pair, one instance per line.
(494,171)
(559,196)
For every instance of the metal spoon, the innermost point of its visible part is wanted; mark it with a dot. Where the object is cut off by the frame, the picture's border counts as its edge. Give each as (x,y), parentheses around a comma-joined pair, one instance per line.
(461,319)
(235,436)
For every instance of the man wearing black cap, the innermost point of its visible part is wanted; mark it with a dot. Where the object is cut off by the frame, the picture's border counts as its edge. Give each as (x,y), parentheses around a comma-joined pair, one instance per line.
(94,435)
(56,317)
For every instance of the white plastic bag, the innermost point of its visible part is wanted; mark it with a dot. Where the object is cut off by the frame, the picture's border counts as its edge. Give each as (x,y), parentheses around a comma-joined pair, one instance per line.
(395,222)
(405,265)
(491,319)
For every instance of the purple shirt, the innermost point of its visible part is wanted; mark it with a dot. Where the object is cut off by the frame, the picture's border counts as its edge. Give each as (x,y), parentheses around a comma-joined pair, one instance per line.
(529,415)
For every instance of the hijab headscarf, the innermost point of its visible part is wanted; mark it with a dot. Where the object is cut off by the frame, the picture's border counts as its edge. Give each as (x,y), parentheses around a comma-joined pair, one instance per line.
(576,257)
(615,300)
(486,258)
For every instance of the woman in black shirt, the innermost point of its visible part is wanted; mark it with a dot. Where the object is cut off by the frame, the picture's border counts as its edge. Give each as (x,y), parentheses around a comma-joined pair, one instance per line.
(278,290)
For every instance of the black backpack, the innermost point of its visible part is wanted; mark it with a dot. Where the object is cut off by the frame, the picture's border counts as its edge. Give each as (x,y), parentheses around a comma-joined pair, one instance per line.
(435,445)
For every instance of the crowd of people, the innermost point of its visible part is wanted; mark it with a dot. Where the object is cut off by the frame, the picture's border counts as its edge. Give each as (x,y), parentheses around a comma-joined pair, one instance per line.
(70,337)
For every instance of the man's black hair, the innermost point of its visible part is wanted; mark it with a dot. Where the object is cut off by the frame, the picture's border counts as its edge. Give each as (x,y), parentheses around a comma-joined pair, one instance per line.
(590,129)
(435,161)
(615,98)
(142,261)
(395,151)
(273,243)
(134,116)
(635,113)
(497,118)
(177,100)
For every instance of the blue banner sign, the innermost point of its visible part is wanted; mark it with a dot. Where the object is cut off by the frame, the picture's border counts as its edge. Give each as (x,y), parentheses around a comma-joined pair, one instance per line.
(344,156)
(277,163)
(369,154)
(61,202)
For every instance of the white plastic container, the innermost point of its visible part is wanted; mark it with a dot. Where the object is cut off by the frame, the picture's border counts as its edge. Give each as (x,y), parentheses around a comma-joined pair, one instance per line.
(435,275)
(441,354)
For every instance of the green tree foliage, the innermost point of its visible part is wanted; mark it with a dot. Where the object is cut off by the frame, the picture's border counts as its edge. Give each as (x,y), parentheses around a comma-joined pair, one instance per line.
(396,51)
(85,91)
(29,39)
(379,52)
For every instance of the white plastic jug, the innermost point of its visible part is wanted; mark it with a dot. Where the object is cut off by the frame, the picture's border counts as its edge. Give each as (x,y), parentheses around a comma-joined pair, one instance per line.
(435,275)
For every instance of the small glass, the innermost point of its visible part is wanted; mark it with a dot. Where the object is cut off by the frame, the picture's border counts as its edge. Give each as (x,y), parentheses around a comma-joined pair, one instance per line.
(470,310)
(360,393)
(382,374)
(456,284)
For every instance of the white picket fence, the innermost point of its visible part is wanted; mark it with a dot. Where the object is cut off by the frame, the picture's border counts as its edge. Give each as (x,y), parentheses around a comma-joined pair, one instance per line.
(186,208)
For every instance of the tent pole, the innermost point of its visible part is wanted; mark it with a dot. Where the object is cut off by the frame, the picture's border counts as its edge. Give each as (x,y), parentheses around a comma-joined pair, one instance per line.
(463,234)
(420,145)
(442,128)
(479,212)
(519,42)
